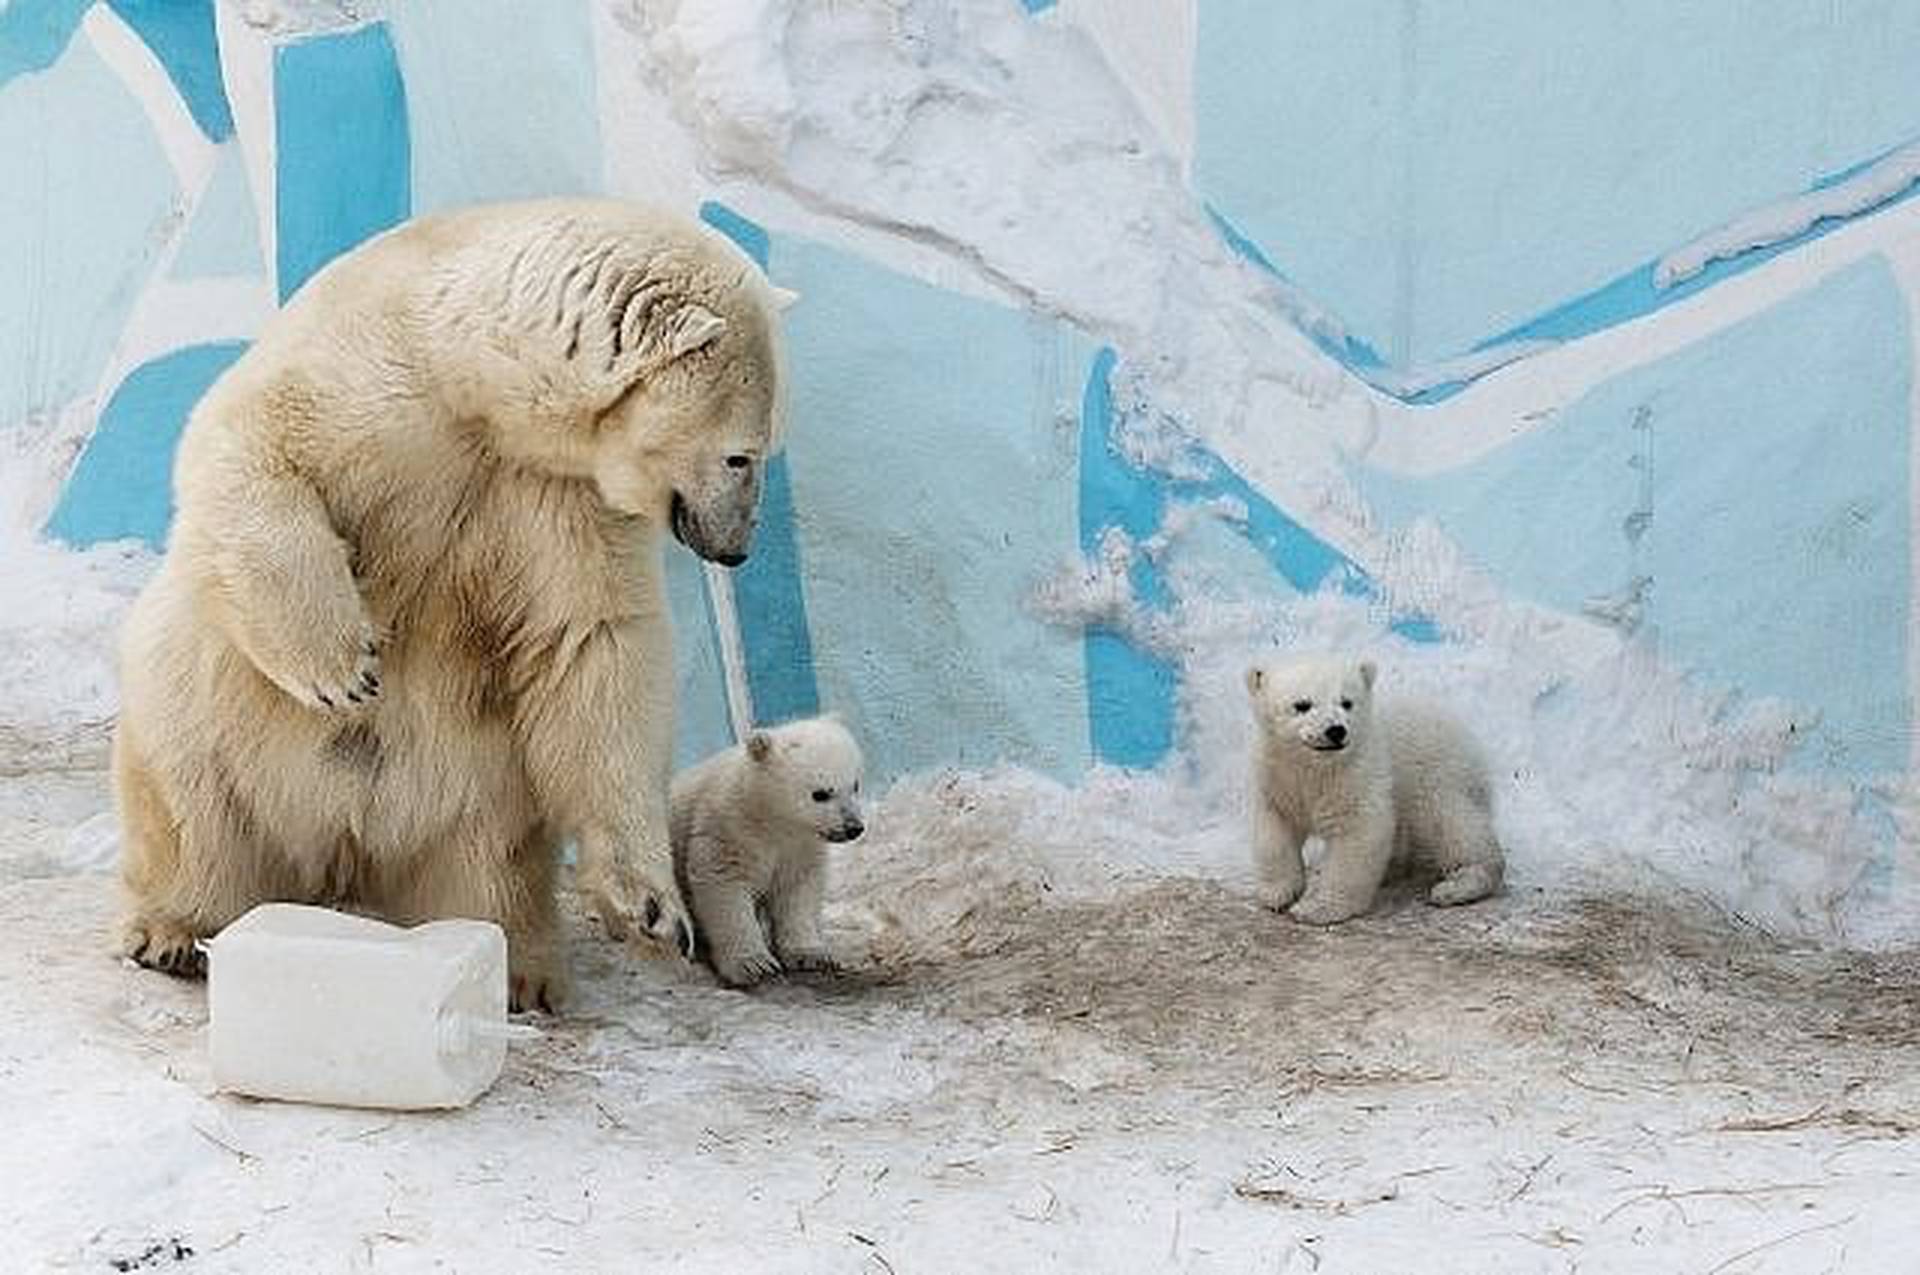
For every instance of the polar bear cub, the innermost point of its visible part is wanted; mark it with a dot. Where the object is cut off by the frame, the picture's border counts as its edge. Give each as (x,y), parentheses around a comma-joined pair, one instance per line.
(750,827)
(1403,779)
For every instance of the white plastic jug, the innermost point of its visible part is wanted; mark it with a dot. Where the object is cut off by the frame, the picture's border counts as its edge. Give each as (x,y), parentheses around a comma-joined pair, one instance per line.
(314,1005)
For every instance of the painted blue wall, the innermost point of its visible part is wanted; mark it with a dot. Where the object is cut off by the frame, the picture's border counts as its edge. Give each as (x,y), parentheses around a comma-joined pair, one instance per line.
(79,226)
(1758,481)
(1437,173)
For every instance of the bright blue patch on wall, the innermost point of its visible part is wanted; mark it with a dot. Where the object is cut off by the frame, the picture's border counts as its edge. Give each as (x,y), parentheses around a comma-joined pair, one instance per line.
(1129,690)
(77,219)
(701,723)
(766,589)
(503,99)
(1039,6)
(123,485)
(340,132)
(34,33)
(1758,483)
(181,35)
(928,502)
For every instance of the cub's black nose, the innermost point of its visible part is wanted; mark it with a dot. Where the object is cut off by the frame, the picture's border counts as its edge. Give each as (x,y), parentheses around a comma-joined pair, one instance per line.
(1336,733)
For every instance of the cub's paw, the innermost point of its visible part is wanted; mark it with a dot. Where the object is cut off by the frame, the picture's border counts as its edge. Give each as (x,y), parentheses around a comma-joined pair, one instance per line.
(1321,909)
(744,969)
(632,907)
(810,960)
(167,946)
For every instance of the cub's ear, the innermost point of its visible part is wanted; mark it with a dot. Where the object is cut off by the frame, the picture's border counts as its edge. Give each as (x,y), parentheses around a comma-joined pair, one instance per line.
(1256,678)
(759,745)
(783,298)
(1366,673)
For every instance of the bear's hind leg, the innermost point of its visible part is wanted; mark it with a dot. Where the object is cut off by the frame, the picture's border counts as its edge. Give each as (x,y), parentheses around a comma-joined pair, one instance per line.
(489,875)
(187,870)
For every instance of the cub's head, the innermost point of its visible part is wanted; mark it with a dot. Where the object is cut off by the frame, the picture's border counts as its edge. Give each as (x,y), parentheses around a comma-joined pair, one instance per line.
(1322,705)
(812,768)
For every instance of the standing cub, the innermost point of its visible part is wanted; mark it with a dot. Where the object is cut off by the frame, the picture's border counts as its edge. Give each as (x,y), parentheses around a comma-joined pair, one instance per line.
(749,828)
(1406,780)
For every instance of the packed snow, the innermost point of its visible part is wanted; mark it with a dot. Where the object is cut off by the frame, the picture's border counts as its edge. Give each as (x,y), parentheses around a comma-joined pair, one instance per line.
(1066,1039)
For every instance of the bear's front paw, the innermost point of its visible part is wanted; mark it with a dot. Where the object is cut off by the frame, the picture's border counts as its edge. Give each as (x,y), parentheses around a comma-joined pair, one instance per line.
(167,946)
(629,906)
(1280,895)
(744,969)
(812,960)
(1321,909)
(536,984)
(338,674)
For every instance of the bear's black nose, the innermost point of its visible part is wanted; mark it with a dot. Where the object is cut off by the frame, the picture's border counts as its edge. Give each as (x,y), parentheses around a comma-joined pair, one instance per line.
(1336,733)
(729,559)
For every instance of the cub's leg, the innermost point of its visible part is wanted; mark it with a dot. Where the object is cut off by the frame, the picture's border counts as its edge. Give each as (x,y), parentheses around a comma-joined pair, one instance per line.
(723,905)
(1359,848)
(1469,856)
(795,909)
(1281,871)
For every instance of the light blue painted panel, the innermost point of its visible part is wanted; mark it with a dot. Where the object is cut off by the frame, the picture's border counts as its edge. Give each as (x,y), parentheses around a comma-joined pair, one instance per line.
(224,238)
(180,33)
(1770,463)
(501,96)
(122,486)
(933,456)
(1437,173)
(701,725)
(1300,141)
(340,147)
(86,188)
(34,33)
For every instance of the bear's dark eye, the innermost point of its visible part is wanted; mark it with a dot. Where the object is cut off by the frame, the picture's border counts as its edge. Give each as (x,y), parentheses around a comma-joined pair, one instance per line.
(821,794)
(737,461)
(1346,703)
(1302,705)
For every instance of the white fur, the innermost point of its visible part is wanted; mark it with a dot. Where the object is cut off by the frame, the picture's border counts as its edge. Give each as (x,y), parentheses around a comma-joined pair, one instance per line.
(411,629)
(750,830)
(1371,783)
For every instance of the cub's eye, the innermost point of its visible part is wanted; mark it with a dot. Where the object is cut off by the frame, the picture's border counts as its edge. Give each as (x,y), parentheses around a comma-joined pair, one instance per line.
(856,785)
(1346,703)
(821,794)
(737,461)
(1302,705)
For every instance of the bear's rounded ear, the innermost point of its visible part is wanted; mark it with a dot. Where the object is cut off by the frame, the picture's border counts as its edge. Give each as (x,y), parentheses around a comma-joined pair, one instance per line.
(1366,673)
(759,745)
(783,298)
(691,327)
(1256,678)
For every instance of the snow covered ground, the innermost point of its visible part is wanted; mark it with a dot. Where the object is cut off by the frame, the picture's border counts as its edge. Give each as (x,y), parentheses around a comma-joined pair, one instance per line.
(1043,1057)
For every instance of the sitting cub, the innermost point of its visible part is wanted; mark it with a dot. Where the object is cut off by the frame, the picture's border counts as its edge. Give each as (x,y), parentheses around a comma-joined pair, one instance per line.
(1407,779)
(749,827)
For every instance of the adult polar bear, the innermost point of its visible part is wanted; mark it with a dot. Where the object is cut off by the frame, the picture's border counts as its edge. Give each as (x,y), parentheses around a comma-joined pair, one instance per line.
(411,630)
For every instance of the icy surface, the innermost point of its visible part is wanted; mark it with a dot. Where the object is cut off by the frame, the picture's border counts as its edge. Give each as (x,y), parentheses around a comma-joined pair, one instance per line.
(1051,1051)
